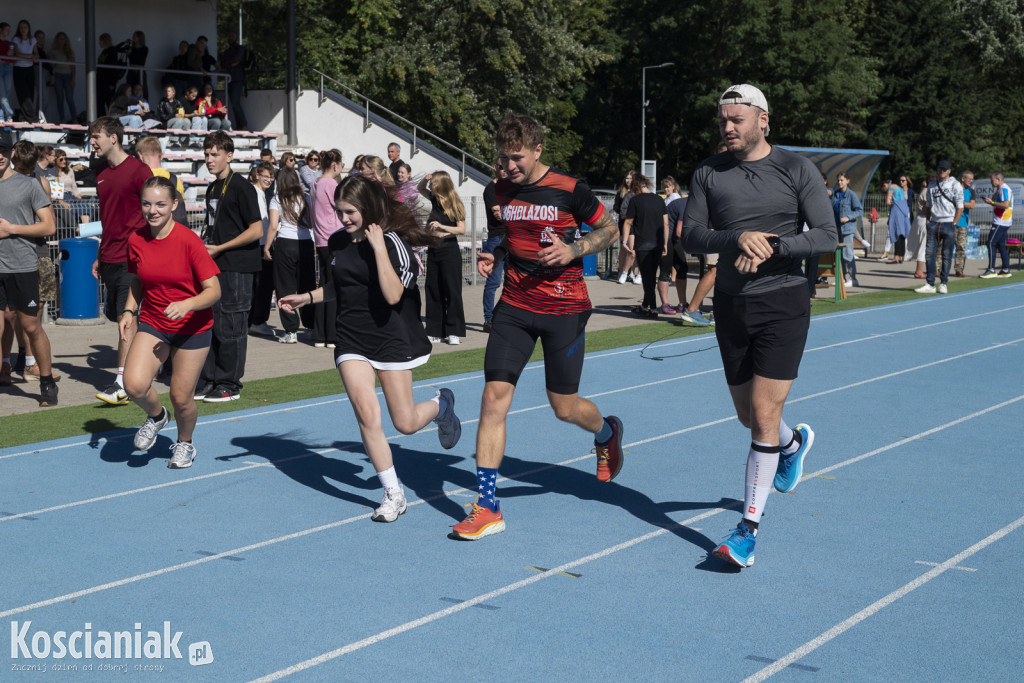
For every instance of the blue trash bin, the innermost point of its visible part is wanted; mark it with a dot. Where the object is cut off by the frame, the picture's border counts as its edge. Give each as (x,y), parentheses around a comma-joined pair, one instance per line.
(79,290)
(589,262)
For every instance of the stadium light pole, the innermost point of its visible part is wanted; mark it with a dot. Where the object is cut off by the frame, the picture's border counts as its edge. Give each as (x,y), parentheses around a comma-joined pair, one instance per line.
(643,110)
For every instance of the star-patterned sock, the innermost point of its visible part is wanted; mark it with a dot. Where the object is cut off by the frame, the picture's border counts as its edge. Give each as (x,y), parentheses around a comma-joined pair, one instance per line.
(486,478)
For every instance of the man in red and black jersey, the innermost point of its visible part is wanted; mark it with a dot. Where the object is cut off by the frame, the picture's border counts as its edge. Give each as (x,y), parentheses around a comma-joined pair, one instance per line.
(544,297)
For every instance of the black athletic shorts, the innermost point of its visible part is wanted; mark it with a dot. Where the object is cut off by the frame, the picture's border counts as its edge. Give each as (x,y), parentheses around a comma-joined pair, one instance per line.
(514,334)
(180,341)
(118,281)
(20,292)
(762,334)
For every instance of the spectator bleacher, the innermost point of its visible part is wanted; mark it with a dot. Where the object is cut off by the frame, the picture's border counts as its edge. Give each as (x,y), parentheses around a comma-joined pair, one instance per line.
(183,156)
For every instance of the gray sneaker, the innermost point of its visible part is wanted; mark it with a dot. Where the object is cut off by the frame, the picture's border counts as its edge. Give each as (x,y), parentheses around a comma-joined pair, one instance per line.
(182,456)
(449,427)
(391,506)
(146,436)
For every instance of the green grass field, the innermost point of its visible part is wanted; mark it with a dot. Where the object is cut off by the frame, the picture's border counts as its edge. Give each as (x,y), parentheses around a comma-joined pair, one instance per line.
(56,423)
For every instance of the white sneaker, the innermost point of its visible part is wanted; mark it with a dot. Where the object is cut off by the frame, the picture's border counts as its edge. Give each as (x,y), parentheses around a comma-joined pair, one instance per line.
(391,506)
(182,456)
(942,288)
(146,436)
(622,278)
(289,338)
(452,339)
(848,283)
(320,345)
(114,395)
(637,280)
(925,289)
(434,340)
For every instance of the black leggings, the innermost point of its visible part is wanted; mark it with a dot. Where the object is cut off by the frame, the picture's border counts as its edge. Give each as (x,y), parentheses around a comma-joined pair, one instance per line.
(650,262)
(294,272)
(325,329)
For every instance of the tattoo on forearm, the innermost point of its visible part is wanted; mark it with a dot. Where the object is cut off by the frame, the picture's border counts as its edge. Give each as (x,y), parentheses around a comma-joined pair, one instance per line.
(602,235)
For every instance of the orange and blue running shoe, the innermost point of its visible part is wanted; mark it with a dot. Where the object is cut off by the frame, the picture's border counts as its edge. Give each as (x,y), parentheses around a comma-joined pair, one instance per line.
(480,522)
(609,456)
(738,548)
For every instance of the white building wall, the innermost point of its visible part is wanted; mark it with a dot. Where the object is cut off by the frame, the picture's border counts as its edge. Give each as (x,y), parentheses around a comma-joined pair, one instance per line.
(326,125)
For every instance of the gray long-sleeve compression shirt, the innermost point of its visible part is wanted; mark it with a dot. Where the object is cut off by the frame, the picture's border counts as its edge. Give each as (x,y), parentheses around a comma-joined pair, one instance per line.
(777,194)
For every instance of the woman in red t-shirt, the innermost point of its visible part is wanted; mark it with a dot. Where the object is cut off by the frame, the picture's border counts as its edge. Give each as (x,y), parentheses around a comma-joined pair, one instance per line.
(176,281)
(215,110)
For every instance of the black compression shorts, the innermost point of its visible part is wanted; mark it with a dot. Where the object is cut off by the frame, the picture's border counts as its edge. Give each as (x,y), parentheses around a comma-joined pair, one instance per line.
(762,334)
(514,334)
(188,342)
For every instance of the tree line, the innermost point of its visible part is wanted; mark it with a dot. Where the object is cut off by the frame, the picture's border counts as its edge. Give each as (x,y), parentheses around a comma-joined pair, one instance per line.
(922,79)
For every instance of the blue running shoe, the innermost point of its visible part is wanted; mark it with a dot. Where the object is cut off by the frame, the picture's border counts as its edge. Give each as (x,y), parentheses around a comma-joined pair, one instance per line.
(738,548)
(697,318)
(791,467)
(449,427)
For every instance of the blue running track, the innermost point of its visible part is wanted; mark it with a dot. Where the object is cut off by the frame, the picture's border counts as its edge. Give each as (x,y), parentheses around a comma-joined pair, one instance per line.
(897,556)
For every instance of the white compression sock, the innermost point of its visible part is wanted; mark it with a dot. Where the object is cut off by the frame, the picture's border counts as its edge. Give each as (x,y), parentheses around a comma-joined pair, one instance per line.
(762,461)
(786,436)
(389,478)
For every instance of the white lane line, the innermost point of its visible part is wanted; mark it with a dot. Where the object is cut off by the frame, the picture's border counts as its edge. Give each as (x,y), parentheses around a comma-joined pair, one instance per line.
(119,494)
(640,442)
(870,610)
(454,609)
(882,335)
(602,354)
(349,520)
(485,597)
(908,439)
(261,544)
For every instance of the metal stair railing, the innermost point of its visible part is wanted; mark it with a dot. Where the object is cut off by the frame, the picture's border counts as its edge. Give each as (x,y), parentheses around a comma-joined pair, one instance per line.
(417,131)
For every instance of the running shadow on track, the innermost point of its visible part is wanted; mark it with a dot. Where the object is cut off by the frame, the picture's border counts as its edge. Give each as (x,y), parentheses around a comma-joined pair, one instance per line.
(299,461)
(119,446)
(548,478)
(426,473)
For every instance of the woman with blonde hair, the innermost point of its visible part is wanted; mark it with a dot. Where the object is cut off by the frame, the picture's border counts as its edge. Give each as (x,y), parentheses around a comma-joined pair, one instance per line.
(446,318)
(671,189)
(373,168)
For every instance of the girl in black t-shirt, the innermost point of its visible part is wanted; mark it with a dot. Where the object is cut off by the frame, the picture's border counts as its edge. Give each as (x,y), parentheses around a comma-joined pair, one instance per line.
(380,337)
(446,318)
(646,234)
